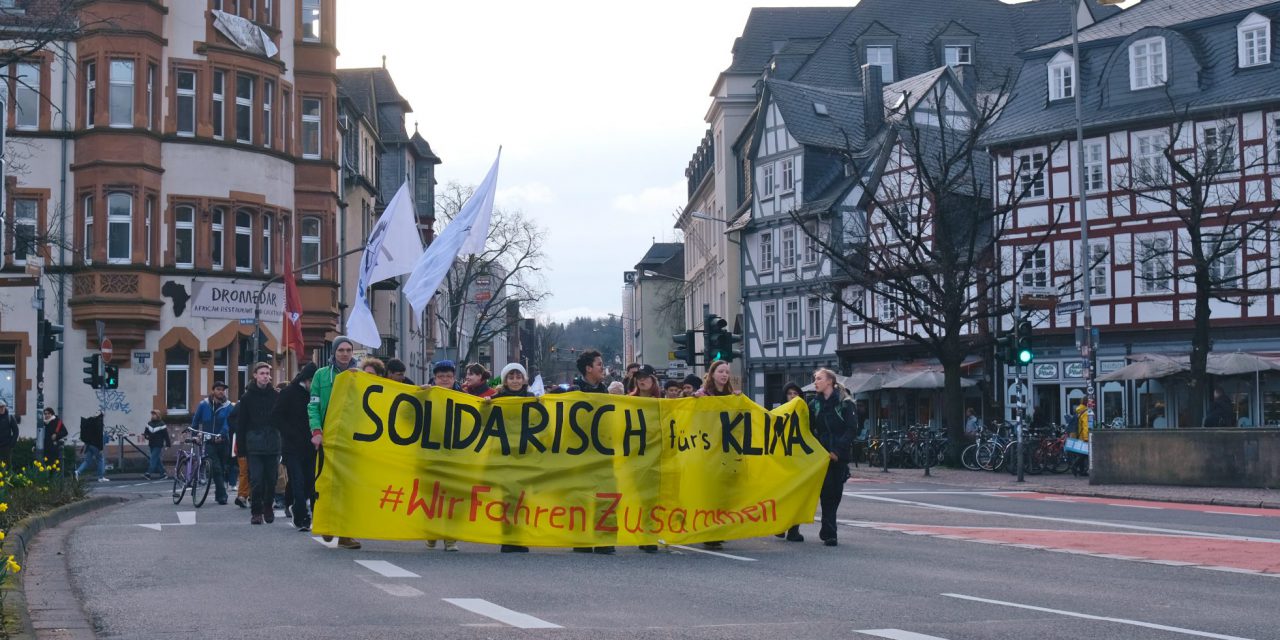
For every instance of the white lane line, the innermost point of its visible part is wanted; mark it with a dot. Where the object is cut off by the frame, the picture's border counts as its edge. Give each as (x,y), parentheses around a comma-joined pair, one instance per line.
(998,494)
(186,518)
(398,590)
(1233,513)
(897,634)
(1095,523)
(386,569)
(332,544)
(1086,616)
(712,553)
(1231,569)
(501,614)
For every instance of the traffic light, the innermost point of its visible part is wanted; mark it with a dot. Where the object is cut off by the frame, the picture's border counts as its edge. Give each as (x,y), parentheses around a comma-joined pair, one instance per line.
(111,377)
(50,338)
(685,347)
(1004,350)
(713,328)
(1023,351)
(93,370)
(724,345)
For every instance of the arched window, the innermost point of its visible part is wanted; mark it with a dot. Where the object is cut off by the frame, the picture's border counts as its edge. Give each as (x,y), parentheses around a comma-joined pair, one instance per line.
(310,248)
(119,228)
(1062,83)
(244,240)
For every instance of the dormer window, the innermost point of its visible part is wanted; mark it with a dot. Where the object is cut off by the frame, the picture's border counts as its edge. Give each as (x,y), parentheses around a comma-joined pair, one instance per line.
(957,55)
(1253,38)
(1062,79)
(1146,64)
(882,56)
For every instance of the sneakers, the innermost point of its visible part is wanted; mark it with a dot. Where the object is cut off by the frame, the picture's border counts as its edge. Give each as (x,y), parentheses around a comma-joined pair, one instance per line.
(241,503)
(715,545)
(269,517)
(327,538)
(512,548)
(794,535)
(304,526)
(431,544)
(452,545)
(147,476)
(649,548)
(830,542)
(348,543)
(604,551)
(256,519)
(77,472)
(104,479)
(288,511)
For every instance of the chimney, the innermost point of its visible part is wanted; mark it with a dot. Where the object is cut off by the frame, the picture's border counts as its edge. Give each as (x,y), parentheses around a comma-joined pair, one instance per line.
(872,99)
(384,62)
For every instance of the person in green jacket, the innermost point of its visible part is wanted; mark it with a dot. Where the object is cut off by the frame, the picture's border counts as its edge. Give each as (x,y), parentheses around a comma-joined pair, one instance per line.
(343,359)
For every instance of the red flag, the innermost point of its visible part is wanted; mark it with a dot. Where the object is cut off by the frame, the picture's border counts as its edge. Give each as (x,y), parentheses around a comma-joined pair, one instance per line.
(292,310)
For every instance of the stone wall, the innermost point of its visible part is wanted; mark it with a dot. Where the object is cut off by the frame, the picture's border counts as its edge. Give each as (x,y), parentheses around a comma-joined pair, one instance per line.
(1187,457)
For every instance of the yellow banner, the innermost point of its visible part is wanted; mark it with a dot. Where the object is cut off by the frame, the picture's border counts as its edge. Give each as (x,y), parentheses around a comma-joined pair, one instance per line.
(565,470)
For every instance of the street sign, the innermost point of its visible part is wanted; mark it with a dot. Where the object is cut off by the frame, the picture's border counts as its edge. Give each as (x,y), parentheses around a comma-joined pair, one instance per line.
(484,296)
(105,349)
(1069,307)
(247,321)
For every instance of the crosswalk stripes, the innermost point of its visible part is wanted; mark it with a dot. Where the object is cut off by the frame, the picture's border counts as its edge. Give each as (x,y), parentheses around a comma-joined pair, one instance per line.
(897,634)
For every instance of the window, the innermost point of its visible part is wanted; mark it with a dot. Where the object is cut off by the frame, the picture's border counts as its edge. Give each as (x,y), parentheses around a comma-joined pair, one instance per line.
(1146,64)
(1222,251)
(244,357)
(956,55)
(218,115)
(1218,146)
(151,96)
(267,16)
(119,228)
(1035,268)
(311,20)
(788,175)
(1031,174)
(184,236)
(177,376)
(186,108)
(146,228)
(813,306)
(266,244)
(1155,259)
(221,360)
(121,93)
(810,247)
(1099,269)
(882,56)
(855,300)
(1095,167)
(26,95)
(1275,139)
(770,321)
(793,319)
(766,181)
(766,251)
(286,123)
(268,90)
(1062,77)
(24,229)
(1150,160)
(244,241)
(216,239)
(311,127)
(244,108)
(310,248)
(789,248)
(1253,36)
(87,253)
(90,92)
(888,308)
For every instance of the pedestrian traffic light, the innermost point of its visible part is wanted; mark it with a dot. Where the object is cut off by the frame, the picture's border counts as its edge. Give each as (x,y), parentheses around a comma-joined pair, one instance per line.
(1023,351)
(50,338)
(725,347)
(712,328)
(111,377)
(684,343)
(93,370)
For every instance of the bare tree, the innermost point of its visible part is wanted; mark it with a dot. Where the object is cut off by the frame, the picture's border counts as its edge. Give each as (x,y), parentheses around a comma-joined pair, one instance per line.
(476,293)
(921,265)
(1192,174)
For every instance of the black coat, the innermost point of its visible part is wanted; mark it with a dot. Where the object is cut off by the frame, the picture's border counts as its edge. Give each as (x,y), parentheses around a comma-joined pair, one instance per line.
(581,384)
(157,433)
(290,417)
(8,430)
(90,431)
(1221,414)
(256,433)
(834,423)
(504,392)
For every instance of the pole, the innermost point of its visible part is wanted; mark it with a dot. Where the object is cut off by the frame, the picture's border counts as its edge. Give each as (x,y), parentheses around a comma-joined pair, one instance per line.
(40,337)
(1088,349)
(257,300)
(1024,396)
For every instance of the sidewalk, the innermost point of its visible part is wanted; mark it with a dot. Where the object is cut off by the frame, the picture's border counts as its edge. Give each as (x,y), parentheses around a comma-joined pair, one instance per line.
(1069,485)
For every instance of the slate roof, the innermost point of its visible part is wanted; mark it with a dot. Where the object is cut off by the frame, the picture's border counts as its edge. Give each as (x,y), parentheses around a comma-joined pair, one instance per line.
(769,26)
(371,89)
(842,128)
(913,89)
(421,146)
(660,254)
(1156,13)
(1220,85)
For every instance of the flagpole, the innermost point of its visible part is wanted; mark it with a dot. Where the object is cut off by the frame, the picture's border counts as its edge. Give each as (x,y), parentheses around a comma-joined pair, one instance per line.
(257,300)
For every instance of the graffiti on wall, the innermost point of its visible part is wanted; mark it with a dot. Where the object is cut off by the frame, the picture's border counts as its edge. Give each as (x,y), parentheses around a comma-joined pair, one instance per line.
(113,400)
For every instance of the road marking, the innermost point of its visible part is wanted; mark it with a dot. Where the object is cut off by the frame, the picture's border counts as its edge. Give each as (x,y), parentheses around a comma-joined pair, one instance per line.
(999,494)
(398,590)
(1231,569)
(1086,616)
(185,519)
(386,569)
(713,553)
(1095,523)
(1132,506)
(332,544)
(897,634)
(501,614)
(1233,513)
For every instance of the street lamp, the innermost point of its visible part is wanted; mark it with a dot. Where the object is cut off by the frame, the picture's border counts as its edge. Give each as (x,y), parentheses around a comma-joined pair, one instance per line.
(655,274)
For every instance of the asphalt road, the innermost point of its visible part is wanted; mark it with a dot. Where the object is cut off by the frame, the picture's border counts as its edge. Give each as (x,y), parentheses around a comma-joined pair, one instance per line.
(915,561)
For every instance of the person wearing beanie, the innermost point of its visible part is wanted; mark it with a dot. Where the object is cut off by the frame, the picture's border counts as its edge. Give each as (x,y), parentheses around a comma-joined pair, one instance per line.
(691,384)
(343,359)
(444,374)
(290,415)
(617,388)
(515,384)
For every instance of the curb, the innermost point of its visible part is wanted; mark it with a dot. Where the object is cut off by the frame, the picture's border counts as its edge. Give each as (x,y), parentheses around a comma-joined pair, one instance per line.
(20,537)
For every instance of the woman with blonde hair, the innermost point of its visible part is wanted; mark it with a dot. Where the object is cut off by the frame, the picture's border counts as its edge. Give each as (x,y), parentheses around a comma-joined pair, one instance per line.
(373,365)
(833,419)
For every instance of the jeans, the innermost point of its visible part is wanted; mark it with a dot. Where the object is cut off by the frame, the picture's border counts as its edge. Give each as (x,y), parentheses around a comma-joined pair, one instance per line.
(302,477)
(155,465)
(90,453)
(832,491)
(215,473)
(262,481)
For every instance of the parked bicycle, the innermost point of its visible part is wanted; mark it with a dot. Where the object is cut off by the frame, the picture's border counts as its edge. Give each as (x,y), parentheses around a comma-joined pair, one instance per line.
(191,469)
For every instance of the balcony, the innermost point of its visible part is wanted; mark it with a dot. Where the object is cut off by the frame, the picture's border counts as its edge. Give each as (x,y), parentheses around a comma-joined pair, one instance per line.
(127,300)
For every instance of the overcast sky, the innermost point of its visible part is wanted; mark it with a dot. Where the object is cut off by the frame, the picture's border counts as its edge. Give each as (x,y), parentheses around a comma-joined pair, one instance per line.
(598,107)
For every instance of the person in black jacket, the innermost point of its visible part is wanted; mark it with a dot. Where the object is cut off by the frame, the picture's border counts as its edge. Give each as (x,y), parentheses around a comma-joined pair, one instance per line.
(833,420)
(290,416)
(259,437)
(157,434)
(8,434)
(92,437)
(55,434)
(591,380)
(1221,414)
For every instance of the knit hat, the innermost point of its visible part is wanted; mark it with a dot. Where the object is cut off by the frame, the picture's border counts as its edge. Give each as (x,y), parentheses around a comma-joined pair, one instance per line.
(514,366)
(693,380)
(307,372)
(444,365)
(333,360)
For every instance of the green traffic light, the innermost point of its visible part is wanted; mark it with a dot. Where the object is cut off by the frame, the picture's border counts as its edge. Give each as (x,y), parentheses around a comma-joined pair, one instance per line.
(1025,356)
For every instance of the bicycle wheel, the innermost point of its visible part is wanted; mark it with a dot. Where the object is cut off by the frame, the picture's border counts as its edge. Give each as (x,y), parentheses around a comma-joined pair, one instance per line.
(989,456)
(180,478)
(969,457)
(200,488)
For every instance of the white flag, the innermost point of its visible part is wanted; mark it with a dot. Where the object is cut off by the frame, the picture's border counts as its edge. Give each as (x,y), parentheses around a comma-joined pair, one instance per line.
(538,388)
(393,248)
(438,258)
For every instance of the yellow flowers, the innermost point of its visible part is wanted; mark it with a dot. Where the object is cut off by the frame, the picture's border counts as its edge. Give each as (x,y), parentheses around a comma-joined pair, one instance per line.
(11,566)
(1,536)
(4,506)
